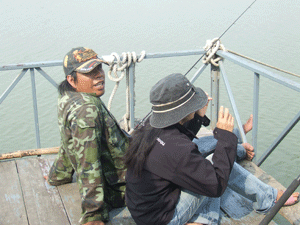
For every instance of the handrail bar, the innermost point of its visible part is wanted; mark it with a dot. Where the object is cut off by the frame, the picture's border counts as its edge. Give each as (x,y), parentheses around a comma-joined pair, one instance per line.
(256,69)
(31,65)
(60,62)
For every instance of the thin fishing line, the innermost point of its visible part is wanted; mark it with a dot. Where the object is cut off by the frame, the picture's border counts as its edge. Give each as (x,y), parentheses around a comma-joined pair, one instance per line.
(221,35)
(141,121)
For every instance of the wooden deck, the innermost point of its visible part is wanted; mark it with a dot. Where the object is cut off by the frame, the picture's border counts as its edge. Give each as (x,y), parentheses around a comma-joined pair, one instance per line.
(28,199)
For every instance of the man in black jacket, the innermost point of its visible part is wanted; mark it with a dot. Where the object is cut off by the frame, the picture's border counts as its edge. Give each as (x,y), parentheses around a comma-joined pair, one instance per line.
(168,180)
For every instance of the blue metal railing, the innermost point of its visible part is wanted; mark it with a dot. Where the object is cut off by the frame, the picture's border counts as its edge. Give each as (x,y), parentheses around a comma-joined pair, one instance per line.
(215,71)
(24,68)
(272,76)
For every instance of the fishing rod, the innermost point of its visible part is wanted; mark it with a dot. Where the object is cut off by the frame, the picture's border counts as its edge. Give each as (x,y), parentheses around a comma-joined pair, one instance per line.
(146,117)
(221,36)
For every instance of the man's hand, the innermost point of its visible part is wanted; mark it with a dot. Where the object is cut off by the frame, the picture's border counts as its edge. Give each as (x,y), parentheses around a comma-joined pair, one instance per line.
(201,112)
(94,223)
(226,120)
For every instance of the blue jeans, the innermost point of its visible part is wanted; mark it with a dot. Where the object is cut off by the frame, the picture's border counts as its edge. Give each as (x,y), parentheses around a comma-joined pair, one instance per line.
(206,145)
(242,187)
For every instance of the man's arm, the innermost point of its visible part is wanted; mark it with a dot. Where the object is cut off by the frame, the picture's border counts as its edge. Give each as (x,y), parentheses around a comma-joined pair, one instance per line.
(61,171)
(197,174)
(86,154)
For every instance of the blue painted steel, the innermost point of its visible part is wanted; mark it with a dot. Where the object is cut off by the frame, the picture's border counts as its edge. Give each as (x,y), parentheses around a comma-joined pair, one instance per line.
(31,65)
(131,90)
(197,74)
(13,84)
(60,62)
(214,90)
(231,98)
(253,67)
(172,54)
(277,141)
(36,119)
(255,111)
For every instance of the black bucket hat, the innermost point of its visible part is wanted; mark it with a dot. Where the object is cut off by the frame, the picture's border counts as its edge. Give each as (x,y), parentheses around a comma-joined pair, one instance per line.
(173,98)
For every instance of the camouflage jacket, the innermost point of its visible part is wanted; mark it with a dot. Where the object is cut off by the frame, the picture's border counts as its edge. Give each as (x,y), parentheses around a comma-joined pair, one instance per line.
(92,144)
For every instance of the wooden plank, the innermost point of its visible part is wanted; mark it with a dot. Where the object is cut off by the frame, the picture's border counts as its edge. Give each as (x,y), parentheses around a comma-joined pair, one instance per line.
(71,200)
(291,213)
(31,152)
(11,201)
(42,201)
(70,196)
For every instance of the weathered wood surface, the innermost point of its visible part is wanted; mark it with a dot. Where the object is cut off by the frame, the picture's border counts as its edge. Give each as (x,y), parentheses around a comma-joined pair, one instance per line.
(69,196)
(11,201)
(28,199)
(42,201)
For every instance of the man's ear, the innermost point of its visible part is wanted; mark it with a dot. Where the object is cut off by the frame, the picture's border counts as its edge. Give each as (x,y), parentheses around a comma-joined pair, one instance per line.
(71,81)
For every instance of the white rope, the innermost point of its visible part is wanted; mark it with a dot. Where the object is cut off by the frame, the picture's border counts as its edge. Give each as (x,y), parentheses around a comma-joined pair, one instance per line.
(115,66)
(211,47)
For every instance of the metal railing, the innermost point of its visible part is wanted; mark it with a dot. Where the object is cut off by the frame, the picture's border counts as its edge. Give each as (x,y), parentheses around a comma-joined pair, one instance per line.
(24,68)
(259,71)
(215,77)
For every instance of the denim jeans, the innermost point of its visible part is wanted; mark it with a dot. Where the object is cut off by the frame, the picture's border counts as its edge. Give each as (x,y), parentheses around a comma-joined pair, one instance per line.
(206,145)
(242,184)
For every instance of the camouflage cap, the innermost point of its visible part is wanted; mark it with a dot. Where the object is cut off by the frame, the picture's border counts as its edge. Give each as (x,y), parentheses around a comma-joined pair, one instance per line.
(82,60)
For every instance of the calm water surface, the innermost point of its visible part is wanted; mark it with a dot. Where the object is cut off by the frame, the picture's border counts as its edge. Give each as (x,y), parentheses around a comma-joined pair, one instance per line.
(33,31)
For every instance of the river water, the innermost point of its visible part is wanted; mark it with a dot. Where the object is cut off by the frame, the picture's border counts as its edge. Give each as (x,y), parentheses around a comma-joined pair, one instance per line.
(33,31)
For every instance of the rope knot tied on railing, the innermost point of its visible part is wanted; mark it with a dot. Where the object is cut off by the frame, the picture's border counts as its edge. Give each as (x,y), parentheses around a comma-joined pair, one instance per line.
(211,47)
(117,65)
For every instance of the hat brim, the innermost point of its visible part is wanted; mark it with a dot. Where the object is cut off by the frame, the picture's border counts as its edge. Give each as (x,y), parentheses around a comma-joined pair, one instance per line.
(165,119)
(89,65)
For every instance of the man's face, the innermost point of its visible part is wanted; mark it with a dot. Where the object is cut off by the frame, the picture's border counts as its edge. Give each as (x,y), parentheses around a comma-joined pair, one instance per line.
(92,82)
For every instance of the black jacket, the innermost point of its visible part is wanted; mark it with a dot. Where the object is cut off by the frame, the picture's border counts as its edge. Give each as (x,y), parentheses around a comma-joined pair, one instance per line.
(175,163)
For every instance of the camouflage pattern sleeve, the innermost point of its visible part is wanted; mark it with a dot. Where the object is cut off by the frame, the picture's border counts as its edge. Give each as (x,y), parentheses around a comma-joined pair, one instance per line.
(61,171)
(85,155)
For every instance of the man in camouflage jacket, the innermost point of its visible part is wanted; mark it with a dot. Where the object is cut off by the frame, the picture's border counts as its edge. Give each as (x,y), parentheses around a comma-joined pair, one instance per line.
(92,143)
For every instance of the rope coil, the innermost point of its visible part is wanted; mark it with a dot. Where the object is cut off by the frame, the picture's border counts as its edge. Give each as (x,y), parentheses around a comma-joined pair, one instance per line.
(211,47)
(117,65)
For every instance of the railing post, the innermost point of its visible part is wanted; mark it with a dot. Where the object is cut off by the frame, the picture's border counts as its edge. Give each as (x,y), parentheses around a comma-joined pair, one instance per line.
(132,94)
(232,101)
(255,111)
(215,80)
(36,119)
